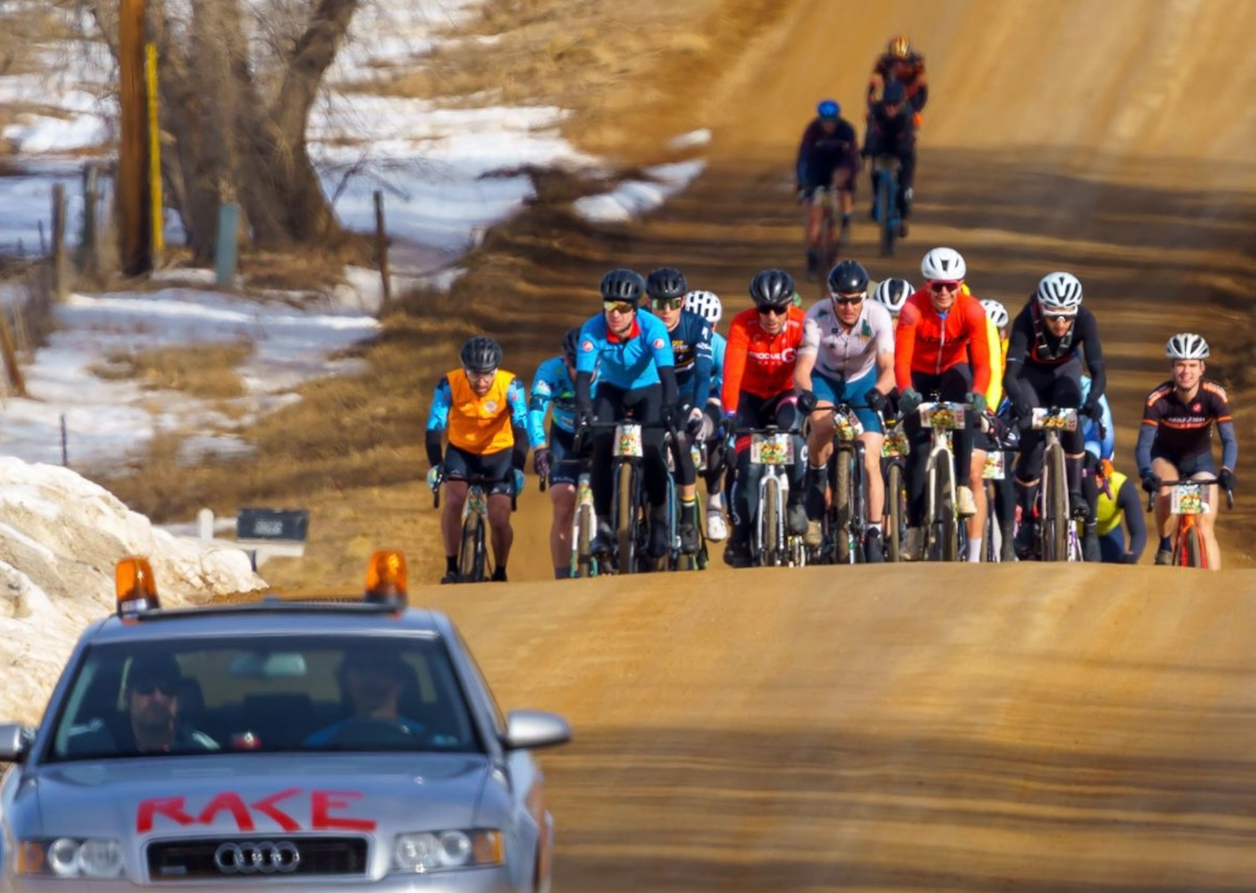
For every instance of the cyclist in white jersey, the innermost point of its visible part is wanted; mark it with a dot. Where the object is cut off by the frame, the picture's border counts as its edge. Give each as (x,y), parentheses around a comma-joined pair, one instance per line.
(847,356)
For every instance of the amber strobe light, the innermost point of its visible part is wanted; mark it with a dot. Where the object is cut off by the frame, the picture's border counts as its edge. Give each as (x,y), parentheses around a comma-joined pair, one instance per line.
(135,586)
(386,577)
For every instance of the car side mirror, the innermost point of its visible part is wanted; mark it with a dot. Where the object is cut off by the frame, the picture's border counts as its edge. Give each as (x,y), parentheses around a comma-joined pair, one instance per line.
(532,729)
(15,741)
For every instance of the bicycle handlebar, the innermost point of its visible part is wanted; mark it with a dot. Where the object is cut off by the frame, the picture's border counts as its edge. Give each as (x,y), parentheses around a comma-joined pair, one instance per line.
(475,480)
(1151,497)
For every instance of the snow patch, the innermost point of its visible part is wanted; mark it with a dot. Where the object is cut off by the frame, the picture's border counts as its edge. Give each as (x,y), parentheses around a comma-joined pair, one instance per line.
(632,198)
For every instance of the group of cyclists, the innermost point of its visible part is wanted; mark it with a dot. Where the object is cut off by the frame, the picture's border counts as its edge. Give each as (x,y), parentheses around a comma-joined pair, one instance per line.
(653,354)
(830,158)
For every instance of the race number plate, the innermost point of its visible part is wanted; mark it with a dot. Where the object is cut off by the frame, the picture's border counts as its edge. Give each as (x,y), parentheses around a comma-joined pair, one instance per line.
(994,468)
(771,449)
(628,440)
(699,457)
(584,491)
(848,426)
(944,416)
(1060,420)
(1188,499)
(895,445)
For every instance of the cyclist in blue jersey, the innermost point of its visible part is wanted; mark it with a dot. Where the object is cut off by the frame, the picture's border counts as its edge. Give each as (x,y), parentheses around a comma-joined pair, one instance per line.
(632,354)
(691,347)
(707,305)
(554,391)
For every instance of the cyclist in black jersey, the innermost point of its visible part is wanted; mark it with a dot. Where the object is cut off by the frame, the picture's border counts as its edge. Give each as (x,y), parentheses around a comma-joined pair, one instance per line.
(1044,369)
(1175,441)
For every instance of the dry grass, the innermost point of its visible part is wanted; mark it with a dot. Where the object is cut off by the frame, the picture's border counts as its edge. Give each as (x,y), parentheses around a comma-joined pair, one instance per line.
(204,371)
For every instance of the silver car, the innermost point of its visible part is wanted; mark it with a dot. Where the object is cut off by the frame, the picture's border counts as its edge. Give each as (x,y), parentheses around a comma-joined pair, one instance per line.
(278,744)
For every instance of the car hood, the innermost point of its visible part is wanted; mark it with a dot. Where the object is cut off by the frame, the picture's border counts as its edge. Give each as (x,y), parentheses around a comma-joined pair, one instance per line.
(261,794)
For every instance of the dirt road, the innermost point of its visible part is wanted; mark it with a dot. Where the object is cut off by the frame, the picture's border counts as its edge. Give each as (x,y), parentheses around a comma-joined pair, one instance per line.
(994,728)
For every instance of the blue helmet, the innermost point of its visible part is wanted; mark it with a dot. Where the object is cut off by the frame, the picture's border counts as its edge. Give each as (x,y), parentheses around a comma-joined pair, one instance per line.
(829,110)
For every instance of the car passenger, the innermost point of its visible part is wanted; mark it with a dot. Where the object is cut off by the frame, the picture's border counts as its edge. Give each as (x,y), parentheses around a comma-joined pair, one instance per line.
(371,685)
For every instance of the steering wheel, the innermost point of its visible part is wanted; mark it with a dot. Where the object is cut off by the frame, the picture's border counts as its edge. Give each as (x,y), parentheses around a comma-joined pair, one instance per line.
(371,731)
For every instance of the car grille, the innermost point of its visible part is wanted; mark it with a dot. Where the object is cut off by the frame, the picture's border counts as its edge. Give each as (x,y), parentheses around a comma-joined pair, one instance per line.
(256,858)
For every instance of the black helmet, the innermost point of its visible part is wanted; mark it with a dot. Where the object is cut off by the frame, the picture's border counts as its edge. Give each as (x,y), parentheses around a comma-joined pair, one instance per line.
(571,341)
(894,92)
(847,278)
(772,287)
(666,282)
(622,285)
(481,354)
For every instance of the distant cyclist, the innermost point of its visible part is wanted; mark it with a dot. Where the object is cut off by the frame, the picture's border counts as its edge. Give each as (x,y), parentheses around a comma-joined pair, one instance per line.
(1099,435)
(904,65)
(892,132)
(828,158)
(1175,441)
(1044,369)
(484,412)
(1002,434)
(691,346)
(763,345)
(554,392)
(892,294)
(1119,507)
(847,356)
(941,349)
(707,304)
(632,355)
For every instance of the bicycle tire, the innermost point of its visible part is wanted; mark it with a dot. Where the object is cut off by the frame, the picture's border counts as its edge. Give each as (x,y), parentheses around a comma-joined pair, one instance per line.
(1192,548)
(885,186)
(991,536)
(1055,518)
(625,519)
(896,497)
(771,549)
(842,505)
(471,550)
(944,523)
(584,541)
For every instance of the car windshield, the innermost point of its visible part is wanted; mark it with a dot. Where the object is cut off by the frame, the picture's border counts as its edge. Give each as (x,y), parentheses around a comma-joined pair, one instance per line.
(263,693)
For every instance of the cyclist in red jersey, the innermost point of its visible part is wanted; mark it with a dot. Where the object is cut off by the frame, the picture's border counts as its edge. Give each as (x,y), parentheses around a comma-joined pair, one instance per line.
(940,348)
(758,391)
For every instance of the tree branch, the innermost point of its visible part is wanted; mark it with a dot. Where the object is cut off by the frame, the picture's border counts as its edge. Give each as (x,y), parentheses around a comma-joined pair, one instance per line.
(314,53)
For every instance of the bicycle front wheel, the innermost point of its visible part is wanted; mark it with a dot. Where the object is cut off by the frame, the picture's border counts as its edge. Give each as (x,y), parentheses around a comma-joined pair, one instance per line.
(471,552)
(843,505)
(944,524)
(771,548)
(1192,551)
(584,541)
(626,518)
(1055,518)
(896,499)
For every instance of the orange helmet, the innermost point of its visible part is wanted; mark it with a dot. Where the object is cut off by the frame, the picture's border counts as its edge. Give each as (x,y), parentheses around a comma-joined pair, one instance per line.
(900,46)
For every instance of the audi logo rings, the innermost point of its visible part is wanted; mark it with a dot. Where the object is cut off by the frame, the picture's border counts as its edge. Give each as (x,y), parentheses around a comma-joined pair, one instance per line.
(262,857)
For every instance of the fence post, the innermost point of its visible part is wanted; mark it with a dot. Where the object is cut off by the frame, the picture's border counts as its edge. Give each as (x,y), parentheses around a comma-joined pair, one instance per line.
(87,258)
(17,381)
(58,241)
(381,252)
(225,249)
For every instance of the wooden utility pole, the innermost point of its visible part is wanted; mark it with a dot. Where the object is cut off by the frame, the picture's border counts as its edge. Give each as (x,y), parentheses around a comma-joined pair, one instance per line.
(133,197)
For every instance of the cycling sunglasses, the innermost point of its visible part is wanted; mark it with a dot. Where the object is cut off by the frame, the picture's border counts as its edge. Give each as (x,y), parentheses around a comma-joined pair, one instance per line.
(150,686)
(773,309)
(667,303)
(1060,317)
(848,300)
(944,285)
(619,306)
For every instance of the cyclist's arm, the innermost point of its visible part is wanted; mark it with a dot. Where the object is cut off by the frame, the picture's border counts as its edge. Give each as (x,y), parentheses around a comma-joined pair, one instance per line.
(884,346)
(1128,501)
(538,405)
(703,363)
(1107,444)
(1146,438)
(1014,364)
(1229,444)
(1089,336)
(922,94)
(804,150)
(978,344)
(517,400)
(905,346)
(807,354)
(438,420)
(734,366)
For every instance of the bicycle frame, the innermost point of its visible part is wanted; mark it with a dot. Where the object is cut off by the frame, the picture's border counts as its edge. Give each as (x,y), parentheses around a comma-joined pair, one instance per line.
(848,532)
(1188,500)
(773,449)
(825,198)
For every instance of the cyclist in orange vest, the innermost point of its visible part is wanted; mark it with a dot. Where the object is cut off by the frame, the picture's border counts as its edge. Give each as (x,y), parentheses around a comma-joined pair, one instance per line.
(483,410)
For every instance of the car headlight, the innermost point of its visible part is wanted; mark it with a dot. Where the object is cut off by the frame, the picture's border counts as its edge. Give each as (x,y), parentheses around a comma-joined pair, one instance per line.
(443,850)
(68,857)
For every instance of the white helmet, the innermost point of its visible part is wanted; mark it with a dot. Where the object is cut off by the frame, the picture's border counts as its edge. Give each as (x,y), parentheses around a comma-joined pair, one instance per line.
(1186,346)
(893,293)
(944,265)
(706,304)
(996,313)
(1059,293)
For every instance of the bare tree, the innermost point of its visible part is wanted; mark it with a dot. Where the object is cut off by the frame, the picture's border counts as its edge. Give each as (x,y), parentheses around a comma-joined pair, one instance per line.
(236,95)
